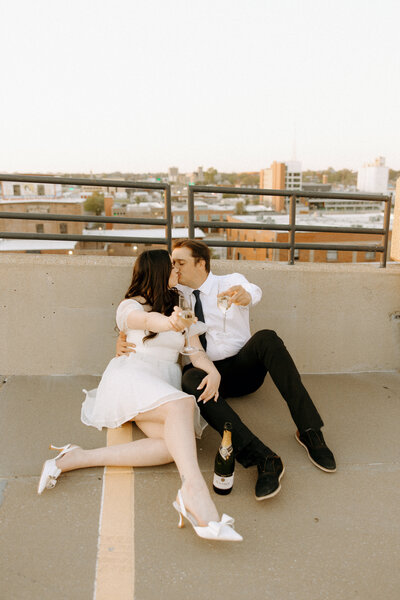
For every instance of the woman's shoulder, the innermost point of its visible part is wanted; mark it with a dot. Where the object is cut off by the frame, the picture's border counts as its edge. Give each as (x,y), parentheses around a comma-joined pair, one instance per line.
(130,303)
(126,307)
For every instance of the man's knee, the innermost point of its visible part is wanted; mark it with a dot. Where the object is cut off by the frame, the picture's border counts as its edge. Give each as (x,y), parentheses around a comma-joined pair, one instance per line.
(191,380)
(267,338)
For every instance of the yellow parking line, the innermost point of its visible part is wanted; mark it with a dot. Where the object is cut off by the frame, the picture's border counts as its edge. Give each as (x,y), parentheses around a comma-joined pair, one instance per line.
(115,552)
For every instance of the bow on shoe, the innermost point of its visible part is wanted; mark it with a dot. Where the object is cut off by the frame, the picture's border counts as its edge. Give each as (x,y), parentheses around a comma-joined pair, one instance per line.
(217,526)
(51,482)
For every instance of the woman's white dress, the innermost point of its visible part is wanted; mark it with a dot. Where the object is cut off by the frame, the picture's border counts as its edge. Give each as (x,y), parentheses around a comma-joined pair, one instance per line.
(141,380)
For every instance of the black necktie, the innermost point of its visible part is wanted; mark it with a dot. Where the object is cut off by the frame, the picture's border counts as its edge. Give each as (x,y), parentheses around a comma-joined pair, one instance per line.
(198,311)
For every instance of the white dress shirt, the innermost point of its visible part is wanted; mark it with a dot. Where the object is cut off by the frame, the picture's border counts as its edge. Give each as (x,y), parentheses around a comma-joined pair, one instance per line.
(221,345)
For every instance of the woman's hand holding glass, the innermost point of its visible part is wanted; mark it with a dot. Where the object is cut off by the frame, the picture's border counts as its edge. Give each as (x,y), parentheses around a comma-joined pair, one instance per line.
(177,322)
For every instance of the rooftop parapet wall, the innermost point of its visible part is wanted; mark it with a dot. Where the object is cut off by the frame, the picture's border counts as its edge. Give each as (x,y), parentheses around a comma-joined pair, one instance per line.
(395,247)
(57,313)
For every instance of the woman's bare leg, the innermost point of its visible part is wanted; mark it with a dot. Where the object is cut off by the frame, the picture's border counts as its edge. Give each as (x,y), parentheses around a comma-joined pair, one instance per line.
(180,440)
(141,453)
(176,418)
(147,452)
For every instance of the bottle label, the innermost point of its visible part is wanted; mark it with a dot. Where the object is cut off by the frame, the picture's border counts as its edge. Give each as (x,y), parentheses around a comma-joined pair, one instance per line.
(225,452)
(223,483)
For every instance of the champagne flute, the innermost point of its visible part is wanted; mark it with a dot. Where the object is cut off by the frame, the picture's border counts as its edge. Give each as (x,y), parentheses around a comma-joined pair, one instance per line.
(188,316)
(223,302)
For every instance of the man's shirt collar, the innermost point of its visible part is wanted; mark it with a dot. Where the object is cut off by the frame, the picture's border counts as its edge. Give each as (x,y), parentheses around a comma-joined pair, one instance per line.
(207,286)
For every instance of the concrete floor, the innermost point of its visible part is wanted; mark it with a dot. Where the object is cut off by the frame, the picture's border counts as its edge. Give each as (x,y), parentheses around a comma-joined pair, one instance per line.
(325,536)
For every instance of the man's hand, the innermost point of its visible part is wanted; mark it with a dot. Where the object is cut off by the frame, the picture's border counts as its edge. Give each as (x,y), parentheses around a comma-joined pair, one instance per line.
(238,295)
(211,383)
(122,346)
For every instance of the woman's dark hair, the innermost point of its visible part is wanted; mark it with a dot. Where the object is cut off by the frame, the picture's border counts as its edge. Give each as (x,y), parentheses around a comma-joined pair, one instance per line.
(150,276)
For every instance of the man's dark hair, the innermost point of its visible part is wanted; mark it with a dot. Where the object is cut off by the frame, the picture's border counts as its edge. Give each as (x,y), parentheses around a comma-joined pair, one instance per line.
(200,251)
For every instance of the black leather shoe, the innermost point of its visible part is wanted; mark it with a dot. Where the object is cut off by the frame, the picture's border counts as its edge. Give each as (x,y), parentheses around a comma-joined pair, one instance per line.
(270,472)
(317,450)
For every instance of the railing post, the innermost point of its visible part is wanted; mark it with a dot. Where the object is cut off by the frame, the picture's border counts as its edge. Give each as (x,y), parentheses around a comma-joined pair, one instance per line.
(386,226)
(191,212)
(292,224)
(168,216)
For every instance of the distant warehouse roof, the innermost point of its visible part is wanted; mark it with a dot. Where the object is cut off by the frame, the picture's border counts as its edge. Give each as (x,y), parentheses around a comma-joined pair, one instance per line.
(322,218)
(42,200)
(177,232)
(15,245)
(10,245)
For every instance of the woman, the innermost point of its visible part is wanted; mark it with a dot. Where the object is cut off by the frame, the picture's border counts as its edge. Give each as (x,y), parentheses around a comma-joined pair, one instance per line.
(145,387)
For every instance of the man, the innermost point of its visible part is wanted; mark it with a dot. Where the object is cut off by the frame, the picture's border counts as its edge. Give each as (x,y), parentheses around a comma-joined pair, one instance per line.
(243,362)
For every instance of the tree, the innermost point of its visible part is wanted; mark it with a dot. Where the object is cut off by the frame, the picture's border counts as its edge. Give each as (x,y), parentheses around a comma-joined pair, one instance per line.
(343,176)
(231,177)
(95,203)
(239,210)
(209,175)
(139,199)
(249,179)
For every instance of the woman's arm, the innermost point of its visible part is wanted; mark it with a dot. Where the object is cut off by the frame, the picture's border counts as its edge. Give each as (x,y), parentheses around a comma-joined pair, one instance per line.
(153,321)
(211,381)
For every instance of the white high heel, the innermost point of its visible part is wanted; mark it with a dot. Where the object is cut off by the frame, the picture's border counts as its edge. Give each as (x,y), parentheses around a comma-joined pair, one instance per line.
(50,471)
(215,530)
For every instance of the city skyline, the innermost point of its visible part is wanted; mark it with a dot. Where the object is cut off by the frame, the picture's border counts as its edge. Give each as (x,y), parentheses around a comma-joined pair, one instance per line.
(205,169)
(139,87)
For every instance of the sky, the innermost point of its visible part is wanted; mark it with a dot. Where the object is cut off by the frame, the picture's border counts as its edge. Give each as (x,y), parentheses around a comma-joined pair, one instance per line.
(140,86)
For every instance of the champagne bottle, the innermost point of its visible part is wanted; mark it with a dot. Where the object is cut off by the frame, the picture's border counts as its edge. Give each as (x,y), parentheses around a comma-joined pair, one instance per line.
(224,465)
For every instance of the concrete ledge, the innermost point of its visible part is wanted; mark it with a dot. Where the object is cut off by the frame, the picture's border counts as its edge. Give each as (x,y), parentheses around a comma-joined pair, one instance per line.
(57,313)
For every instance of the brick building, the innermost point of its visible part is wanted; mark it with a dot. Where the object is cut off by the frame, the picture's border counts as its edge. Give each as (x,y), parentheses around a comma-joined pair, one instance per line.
(46,205)
(303,237)
(202,212)
(281,176)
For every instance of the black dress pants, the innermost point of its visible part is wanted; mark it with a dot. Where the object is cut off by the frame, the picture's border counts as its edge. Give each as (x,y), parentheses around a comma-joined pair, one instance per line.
(243,374)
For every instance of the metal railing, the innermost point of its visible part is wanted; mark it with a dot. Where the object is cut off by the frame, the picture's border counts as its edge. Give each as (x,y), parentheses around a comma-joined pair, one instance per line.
(292,228)
(166,221)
